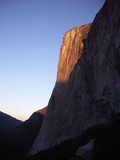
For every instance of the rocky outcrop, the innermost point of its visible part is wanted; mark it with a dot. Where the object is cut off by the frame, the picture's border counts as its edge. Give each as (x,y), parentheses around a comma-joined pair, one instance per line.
(86,151)
(87,89)
(42,111)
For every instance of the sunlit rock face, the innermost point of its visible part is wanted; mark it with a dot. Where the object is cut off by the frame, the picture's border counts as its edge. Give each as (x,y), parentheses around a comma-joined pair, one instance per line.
(87,89)
(71,51)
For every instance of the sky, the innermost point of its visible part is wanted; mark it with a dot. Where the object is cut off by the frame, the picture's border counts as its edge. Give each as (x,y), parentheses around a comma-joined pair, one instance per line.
(31,34)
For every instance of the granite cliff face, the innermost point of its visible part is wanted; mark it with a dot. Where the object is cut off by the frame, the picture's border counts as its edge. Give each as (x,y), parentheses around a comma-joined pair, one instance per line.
(87,89)
(71,51)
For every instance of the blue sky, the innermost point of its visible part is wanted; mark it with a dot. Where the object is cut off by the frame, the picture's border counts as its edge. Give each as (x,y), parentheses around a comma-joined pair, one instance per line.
(31,34)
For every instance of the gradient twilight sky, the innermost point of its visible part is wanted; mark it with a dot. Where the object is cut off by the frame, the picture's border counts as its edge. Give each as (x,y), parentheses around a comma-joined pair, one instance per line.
(31,34)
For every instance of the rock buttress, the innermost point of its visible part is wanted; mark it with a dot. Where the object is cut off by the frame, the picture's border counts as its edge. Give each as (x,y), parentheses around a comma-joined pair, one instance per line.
(87,89)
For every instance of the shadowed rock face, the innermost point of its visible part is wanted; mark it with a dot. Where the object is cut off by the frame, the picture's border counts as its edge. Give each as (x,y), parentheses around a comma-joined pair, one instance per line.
(87,89)
(7,123)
